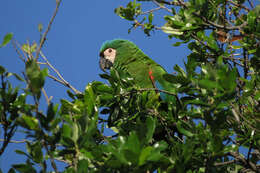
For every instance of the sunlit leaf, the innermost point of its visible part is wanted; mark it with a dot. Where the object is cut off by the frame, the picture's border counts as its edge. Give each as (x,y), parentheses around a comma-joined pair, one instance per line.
(7,38)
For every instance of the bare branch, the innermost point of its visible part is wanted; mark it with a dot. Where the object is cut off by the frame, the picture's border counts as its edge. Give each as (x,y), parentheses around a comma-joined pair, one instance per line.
(239,5)
(15,44)
(53,164)
(169,3)
(46,96)
(251,3)
(240,158)
(150,11)
(224,163)
(62,80)
(16,142)
(48,29)
(162,6)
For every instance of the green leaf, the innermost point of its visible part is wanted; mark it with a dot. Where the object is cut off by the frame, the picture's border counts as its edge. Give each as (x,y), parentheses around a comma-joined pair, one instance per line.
(104,76)
(75,132)
(160,146)
(66,130)
(180,70)
(34,47)
(170,30)
(102,88)
(50,113)
(36,76)
(24,168)
(11,170)
(133,143)
(21,153)
(177,44)
(150,125)
(67,136)
(132,9)
(26,48)
(144,155)
(251,17)
(228,79)
(235,46)
(40,27)
(182,130)
(83,165)
(176,79)
(7,38)
(2,70)
(89,99)
(18,77)
(257,96)
(29,122)
(35,150)
(70,94)
(209,84)
(150,18)
(156,155)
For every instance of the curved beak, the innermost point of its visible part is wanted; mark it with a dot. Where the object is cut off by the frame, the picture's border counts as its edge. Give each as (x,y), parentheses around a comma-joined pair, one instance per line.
(104,63)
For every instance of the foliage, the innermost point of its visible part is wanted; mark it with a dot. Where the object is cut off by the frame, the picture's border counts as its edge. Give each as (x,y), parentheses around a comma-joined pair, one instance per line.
(212,118)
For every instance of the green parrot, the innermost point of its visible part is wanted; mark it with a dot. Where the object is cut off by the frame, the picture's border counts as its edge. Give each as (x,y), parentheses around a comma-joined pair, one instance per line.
(125,55)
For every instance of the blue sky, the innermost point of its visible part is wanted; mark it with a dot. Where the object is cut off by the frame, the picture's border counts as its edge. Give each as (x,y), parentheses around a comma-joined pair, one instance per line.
(73,44)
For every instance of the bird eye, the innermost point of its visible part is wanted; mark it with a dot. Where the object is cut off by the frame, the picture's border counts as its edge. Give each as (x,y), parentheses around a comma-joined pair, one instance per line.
(109,50)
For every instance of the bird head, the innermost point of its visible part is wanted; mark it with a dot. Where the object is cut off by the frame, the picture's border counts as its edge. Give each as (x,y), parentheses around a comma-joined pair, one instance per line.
(115,52)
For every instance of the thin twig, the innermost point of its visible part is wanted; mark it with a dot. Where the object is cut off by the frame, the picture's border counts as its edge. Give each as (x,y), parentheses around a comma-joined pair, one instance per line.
(7,135)
(239,5)
(244,161)
(58,2)
(9,129)
(224,163)
(57,80)
(150,11)
(162,6)
(53,164)
(16,142)
(64,82)
(235,113)
(17,51)
(246,68)
(41,63)
(233,60)
(24,53)
(250,149)
(169,3)
(251,3)
(46,96)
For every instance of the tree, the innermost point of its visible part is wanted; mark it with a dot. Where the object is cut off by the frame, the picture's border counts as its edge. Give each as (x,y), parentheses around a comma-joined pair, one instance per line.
(214,116)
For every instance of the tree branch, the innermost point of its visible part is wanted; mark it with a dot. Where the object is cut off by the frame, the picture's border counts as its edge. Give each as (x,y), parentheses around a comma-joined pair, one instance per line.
(15,44)
(162,6)
(62,80)
(150,11)
(58,2)
(240,158)
(238,5)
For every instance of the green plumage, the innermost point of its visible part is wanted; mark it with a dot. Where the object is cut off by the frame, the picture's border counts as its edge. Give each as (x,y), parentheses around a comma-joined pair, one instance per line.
(131,59)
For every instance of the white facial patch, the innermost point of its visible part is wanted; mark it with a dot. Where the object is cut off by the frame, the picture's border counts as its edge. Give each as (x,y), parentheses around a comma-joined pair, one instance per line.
(110,54)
